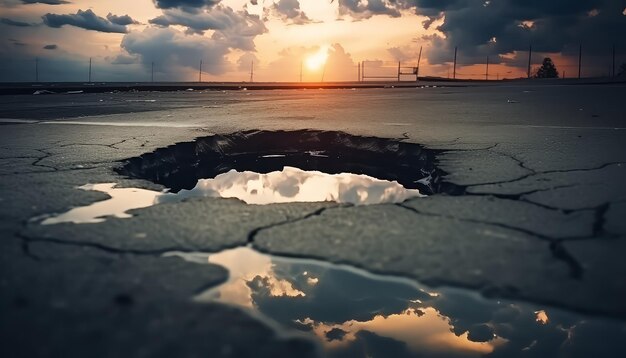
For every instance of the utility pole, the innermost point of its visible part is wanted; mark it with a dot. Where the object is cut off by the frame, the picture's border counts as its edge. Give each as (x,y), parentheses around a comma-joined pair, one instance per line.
(580,60)
(398,71)
(419,59)
(454,69)
(300,71)
(362,71)
(251,71)
(613,67)
(200,72)
(152,73)
(36,69)
(530,55)
(487,71)
(323,72)
(358,76)
(89,69)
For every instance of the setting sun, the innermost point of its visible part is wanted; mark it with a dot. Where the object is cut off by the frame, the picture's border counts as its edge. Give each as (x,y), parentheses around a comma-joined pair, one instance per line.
(317,60)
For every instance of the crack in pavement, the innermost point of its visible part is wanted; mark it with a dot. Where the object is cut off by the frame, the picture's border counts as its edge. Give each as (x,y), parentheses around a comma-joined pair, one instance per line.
(600,219)
(27,240)
(46,155)
(252,235)
(554,171)
(558,251)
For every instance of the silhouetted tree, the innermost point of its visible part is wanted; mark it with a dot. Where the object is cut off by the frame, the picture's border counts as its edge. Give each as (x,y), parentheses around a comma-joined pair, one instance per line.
(547,69)
(622,70)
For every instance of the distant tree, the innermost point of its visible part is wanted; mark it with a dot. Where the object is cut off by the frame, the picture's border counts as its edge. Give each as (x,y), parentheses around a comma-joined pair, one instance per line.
(547,69)
(622,70)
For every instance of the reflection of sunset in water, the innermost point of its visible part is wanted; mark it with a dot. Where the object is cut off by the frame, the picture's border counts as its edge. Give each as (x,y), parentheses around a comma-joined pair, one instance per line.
(353,313)
(423,330)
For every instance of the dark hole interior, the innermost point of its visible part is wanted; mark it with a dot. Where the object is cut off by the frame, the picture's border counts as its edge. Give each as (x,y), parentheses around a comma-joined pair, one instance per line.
(180,166)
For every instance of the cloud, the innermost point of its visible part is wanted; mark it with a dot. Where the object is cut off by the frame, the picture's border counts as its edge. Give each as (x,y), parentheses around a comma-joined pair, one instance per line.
(17,42)
(50,47)
(557,26)
(172,51)
(14,23)
(496,28)
(245,61)
(47,2)
(124,59)
(400,54)
(235,28)
(186,5)
(123,20)
(289,11)
(87,20)
(360,9)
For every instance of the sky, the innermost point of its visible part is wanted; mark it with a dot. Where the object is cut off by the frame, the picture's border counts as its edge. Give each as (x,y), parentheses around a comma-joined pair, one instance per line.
(286,40)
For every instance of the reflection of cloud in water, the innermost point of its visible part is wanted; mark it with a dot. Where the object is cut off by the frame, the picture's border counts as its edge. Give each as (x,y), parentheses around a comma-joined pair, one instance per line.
(296,185)
(288,185)
(356,314)
(421,330)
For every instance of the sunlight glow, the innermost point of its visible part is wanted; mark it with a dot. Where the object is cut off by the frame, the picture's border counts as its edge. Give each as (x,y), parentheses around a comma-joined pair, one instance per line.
(317,60)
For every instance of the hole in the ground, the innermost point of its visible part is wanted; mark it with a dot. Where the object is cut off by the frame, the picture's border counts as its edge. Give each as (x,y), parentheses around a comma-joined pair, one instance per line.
(354,313)
(181,166)
(264,167)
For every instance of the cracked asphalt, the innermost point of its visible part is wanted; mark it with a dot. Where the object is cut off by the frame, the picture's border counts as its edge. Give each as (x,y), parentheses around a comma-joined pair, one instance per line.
(541,218)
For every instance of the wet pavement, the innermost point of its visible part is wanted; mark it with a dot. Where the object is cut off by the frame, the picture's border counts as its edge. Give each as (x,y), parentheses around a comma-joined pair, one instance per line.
(516,252)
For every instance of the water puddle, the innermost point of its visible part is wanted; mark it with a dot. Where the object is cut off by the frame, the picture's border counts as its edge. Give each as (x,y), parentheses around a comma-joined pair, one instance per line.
(285,186)
(181,166)
(353,313)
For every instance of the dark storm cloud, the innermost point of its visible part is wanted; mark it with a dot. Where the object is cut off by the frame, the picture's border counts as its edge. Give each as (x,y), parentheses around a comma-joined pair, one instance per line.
(289,11)
(47,2)
(360,9)
(496,27)
(50,47)
(14,23)
(87,20)
(187,5)
(123,20)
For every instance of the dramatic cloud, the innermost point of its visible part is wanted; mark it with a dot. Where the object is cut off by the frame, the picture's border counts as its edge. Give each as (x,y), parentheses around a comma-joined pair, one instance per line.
(121,20)
(50,47)
(14,23)
(289,11)
(360,9)
(87,20)
(513,25)
(187,5)
(237,29)
(493,28)
(173,51)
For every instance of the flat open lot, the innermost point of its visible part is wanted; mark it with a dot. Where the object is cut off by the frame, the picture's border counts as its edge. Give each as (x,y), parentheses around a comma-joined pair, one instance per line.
(540,218)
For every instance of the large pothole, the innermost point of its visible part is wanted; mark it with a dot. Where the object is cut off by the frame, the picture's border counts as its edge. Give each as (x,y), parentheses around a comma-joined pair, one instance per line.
(180,166)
